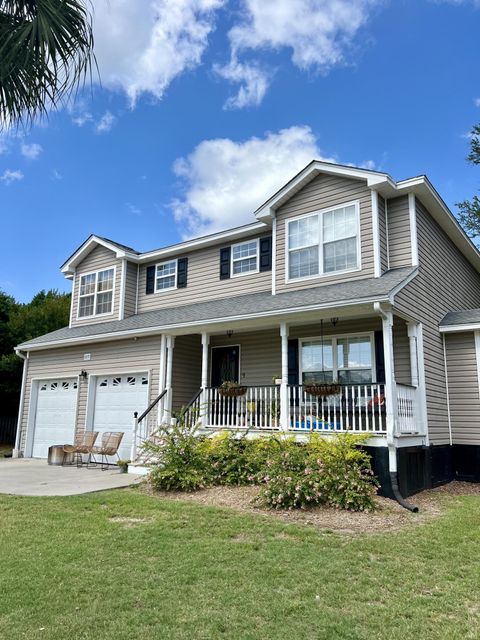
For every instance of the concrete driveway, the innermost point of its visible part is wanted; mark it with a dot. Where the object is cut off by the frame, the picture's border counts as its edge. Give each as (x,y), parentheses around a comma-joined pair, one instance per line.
(29,477)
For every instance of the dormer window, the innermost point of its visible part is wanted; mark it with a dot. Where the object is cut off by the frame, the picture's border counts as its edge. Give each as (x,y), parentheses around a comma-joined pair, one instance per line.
(96,293)
(245,257)
(166,275)
(324,242)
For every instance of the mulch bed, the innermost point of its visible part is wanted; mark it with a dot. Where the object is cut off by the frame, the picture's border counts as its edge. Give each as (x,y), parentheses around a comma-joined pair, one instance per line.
(389,515)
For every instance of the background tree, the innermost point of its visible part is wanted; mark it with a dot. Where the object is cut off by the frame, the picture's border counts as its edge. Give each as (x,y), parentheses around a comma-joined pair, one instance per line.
(46,50)
(48,311)
(470,209)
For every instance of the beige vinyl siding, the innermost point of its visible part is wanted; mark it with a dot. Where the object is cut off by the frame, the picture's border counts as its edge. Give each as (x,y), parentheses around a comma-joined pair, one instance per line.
(382,229)
(446,282)
(322,193)
(187,369)
(119,356)
(131,289)
(203,281)
(463,388)
(401,352)
(399,244)
(98,259)
(260,354)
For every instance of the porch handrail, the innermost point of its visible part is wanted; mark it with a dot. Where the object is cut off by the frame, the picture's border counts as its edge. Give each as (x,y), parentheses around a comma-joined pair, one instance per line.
(150,407)
(192,410)
(139,421)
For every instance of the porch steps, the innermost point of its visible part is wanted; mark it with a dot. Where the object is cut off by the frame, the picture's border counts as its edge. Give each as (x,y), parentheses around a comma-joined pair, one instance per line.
(139,468)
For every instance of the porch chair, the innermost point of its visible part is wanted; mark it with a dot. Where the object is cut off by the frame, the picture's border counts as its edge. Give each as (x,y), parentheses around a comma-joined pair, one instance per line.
(82,446)
(111,441)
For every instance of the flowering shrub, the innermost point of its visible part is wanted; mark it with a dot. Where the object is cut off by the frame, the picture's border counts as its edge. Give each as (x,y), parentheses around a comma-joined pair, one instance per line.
(231,460)
(333,470)
(179,463)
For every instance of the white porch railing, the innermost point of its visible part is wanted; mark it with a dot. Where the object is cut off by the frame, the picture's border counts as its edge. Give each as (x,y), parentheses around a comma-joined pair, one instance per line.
(146,424)
(407,417)
(358,408)
(259,408)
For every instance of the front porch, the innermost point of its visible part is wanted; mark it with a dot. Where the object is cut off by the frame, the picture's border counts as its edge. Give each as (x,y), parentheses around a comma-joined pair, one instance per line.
(372,358)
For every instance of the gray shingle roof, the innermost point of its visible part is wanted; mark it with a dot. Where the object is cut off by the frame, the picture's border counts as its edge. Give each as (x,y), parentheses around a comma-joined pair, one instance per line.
(364,290)
(453,318)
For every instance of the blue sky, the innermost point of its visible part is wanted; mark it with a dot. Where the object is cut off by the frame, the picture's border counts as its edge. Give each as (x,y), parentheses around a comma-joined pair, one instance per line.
(207,106)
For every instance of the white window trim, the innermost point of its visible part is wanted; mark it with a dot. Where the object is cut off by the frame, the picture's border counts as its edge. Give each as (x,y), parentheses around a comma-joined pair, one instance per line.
(232,260)
(160,264)
(91,273)
(334,338)
(320,213)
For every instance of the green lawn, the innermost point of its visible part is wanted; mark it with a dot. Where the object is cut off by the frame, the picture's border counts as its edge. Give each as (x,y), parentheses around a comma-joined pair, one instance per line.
(125,565)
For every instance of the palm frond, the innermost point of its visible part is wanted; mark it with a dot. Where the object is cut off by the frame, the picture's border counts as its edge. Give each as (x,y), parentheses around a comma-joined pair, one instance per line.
(46,52)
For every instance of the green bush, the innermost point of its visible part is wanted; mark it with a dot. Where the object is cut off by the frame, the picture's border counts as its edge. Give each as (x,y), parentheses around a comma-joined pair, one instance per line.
(333,471)
(325,470)
(178,461)
(229,459)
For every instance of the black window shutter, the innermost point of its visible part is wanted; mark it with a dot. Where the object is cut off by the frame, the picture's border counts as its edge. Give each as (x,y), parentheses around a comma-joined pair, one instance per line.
(293,362)
(150,279)
(266,254)
(379,356)
(182,270)
(225,254)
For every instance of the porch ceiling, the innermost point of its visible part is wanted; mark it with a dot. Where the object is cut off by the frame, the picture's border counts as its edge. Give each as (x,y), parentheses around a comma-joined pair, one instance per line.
(253,310)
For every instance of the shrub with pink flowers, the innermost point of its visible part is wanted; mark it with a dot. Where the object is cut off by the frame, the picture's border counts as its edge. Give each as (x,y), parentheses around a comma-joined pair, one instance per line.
(333,471)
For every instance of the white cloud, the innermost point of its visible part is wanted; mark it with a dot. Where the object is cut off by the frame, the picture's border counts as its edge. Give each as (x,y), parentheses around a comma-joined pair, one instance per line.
(142,46)
(56,175)
(10,176)
(253,79)
(105,123)
(318,33)
(31,151)
(82,118)
(477,102)
(134,210)
(225,181)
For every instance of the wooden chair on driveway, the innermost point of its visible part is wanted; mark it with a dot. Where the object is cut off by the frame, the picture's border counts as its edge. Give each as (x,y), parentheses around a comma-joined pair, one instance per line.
(82,446)
(111,441)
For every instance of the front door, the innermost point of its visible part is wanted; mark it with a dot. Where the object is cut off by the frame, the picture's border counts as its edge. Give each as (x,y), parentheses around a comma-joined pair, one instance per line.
(225,365)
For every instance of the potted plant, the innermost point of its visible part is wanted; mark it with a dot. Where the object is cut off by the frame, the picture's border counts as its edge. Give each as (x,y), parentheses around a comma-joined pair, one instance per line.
(123,465)
(231,389)
(276,379)
(322,388)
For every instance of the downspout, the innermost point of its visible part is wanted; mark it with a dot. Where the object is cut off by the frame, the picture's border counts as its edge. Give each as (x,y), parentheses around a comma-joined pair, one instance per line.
(392,451)
(16,450)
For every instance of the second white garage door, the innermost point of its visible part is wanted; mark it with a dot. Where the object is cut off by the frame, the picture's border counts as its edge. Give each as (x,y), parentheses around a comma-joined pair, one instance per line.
(116,399)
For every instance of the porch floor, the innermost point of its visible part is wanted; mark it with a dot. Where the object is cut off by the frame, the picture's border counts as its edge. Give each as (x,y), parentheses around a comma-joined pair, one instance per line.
(32,477)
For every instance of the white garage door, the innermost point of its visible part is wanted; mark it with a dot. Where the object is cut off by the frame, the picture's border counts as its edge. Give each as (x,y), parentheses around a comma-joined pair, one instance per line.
(116,400)
(55,415)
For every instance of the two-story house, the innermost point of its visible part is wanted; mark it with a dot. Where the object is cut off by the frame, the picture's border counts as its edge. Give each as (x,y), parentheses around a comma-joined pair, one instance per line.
(344,276)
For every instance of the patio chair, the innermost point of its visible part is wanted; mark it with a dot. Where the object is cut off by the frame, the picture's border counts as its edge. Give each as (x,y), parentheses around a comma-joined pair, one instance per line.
(82,446)
(111,441)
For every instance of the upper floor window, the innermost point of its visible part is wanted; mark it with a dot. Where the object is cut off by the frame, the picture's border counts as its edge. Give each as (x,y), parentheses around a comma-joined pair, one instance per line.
(96,293)
(324,242)
(166,275)
(245,257)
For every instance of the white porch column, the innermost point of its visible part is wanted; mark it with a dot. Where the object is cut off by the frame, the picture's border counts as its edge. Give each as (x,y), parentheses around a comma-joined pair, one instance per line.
(204,408)
(167,411)
(412,339)
(284,410)
(161,377)
(205,345)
